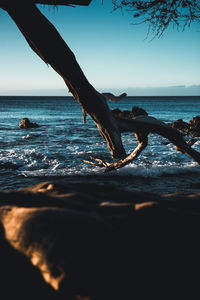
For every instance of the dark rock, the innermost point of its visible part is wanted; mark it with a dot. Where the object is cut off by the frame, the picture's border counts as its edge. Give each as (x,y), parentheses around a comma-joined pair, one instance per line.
(195,126)
(116,111)
(97,243)
(180,125)
(190,128)
(122,113)
(25,123)
(19,278)
(195,121)
(136,111)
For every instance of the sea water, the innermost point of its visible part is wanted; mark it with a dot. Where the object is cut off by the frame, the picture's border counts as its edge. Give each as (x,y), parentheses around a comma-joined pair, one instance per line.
(57,149)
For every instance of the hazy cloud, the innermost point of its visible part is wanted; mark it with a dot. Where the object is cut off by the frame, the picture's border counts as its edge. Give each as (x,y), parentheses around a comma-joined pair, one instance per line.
(179,90)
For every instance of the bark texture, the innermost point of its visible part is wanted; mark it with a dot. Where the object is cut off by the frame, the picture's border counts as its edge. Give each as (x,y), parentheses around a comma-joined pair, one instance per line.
(45,40)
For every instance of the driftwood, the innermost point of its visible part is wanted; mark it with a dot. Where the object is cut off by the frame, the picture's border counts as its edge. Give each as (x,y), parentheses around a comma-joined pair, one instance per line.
(142,126)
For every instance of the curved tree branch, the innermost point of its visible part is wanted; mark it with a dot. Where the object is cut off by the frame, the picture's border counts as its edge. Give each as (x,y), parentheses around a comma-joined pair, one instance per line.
(45,40)
(142,126)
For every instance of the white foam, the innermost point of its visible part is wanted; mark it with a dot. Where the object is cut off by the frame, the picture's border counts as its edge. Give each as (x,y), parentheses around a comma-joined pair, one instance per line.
(26,137)
(158,169)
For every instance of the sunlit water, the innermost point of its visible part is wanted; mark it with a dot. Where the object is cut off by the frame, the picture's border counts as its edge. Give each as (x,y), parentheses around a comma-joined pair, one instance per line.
(56,150)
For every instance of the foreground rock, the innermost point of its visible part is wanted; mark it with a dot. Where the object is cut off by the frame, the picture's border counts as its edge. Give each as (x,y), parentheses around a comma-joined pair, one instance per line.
(26,124)
(84,241)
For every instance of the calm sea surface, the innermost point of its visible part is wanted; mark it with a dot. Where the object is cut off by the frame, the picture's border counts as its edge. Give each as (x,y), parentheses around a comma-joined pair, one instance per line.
(56,150)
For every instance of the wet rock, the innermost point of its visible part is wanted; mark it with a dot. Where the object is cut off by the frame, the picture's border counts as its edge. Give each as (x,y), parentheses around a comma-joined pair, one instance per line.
(180,125)
(195,126)
(26,124)
(122,113)
(136,111)
(190,128)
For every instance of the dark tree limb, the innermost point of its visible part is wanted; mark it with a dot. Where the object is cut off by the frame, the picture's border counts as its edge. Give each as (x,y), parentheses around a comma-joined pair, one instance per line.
(63,2)
(142,126)
(142,143)
(8,3)
(146,124)
(45,40)
(111,97)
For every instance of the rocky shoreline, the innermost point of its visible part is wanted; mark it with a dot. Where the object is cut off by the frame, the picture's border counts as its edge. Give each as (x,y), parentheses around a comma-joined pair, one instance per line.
(89,242)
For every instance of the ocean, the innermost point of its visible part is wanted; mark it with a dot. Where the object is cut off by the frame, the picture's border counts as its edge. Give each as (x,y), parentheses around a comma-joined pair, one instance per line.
(56,150)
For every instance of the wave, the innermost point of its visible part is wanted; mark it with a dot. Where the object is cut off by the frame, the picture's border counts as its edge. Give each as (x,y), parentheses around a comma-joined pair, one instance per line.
(157,169)
(37,163)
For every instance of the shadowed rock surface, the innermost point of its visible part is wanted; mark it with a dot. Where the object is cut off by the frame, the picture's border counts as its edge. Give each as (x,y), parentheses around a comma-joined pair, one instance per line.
(190,128)
(26,124)
(136,111)
(86,241)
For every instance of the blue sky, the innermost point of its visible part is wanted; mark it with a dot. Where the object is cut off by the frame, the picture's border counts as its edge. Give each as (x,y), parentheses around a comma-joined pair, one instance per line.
(113,54)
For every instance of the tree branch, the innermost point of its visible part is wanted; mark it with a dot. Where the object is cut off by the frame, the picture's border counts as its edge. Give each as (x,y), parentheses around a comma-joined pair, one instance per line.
(159,14)
(111,97)
(10,3)
(63,2)
(45,40)
(142,126)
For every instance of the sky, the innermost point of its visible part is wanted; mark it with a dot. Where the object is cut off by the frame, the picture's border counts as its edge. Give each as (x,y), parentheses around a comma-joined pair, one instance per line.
(114,55)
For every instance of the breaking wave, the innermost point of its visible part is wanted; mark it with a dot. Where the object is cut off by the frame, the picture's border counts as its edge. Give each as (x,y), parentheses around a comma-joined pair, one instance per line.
(33,163)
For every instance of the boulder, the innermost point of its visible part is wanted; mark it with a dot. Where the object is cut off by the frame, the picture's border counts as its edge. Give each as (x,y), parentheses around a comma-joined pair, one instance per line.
(136,111)
(195,126)
(180,125)
(26,124)
(190,128)
(87,241)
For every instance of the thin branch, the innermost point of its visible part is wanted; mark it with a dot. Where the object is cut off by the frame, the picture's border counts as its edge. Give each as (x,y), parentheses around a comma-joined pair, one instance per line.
(160,14)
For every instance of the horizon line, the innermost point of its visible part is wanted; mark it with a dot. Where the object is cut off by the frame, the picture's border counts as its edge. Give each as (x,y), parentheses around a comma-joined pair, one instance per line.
(128,96)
